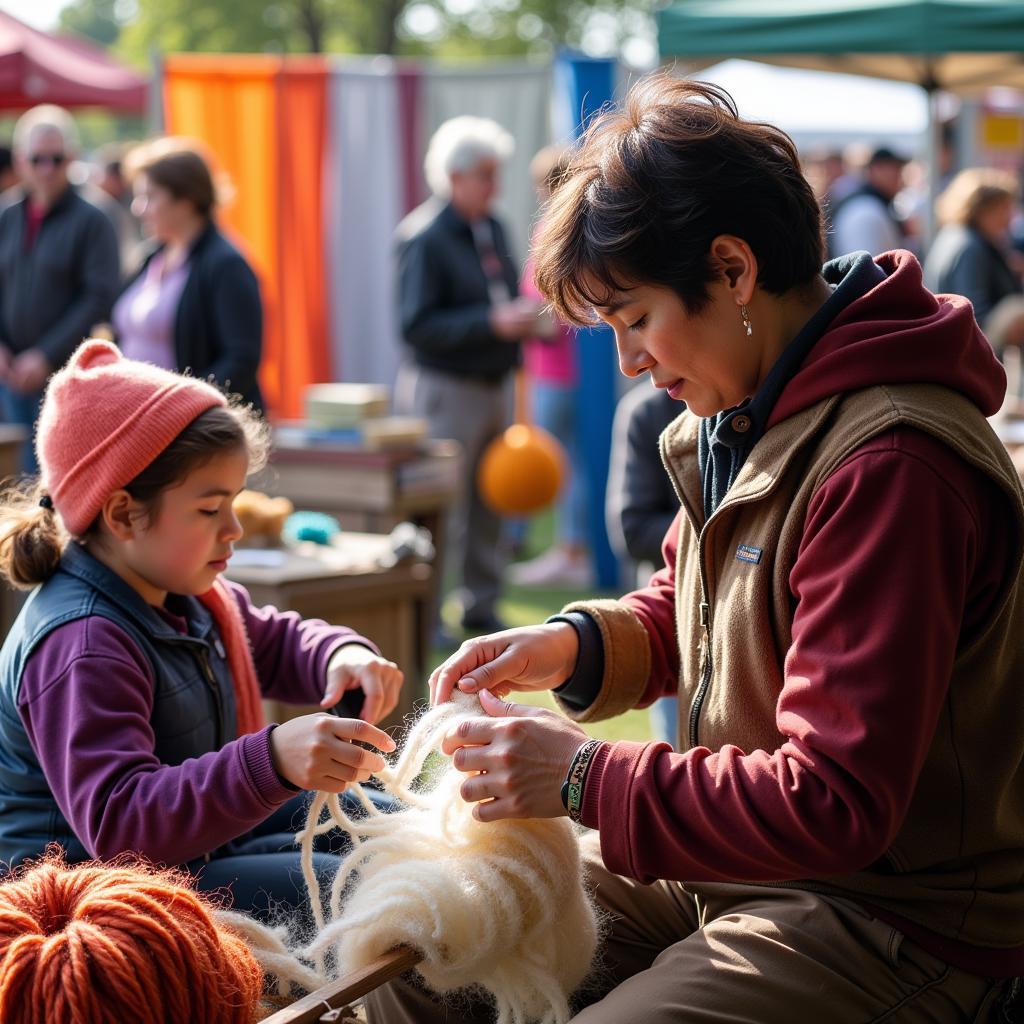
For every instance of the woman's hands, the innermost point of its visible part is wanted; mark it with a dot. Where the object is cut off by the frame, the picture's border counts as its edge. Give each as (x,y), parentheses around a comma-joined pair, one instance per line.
(523,754)
(317,752)
(355,667)
(530,658)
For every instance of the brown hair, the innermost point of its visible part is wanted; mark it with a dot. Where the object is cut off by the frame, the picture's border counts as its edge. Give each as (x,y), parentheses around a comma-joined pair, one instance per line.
(973,191)
(548,167)
(181,167)
(32,537)
(654,183)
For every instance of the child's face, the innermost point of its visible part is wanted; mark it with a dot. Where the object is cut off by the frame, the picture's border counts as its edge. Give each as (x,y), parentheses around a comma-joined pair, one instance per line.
(190,539)
(706,361)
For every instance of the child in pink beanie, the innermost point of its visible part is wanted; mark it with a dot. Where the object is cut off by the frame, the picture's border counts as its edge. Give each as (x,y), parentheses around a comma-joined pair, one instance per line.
(130,684)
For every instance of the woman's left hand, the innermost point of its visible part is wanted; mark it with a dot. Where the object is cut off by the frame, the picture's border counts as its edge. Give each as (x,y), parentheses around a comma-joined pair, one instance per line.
(524,753)
(355,667)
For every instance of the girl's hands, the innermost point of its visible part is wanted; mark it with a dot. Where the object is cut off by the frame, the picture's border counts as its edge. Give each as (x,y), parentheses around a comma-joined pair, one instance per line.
(355,667)
(523,753)
(317,752)
(529,658)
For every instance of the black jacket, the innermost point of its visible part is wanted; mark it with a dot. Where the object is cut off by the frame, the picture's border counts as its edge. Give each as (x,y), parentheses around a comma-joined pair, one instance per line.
(964,262)
(53,295)
(218,329)
(443,299)
(641,501)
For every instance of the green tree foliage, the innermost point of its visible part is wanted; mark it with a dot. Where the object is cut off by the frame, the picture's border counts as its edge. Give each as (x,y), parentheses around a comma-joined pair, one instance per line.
(534,27)
(95,19)
(465,28)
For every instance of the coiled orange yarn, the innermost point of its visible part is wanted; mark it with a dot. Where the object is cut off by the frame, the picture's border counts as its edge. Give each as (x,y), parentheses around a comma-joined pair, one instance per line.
(95,944)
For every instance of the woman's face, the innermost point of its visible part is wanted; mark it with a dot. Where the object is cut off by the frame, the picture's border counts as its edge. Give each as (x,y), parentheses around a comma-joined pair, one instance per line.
(474,191)
(707,361)
(994,221)
(163,216)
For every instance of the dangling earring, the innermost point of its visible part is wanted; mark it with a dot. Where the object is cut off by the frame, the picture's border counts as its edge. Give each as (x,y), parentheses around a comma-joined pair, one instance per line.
(745,313)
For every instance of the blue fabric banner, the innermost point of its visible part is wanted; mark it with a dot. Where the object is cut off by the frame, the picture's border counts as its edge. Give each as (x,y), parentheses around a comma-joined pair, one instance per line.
(585,85)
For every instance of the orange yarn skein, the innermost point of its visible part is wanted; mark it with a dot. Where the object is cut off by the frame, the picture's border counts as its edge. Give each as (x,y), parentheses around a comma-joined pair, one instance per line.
(97,944)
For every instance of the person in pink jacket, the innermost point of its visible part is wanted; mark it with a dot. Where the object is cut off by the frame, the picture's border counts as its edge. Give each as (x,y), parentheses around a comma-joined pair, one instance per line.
(552,381)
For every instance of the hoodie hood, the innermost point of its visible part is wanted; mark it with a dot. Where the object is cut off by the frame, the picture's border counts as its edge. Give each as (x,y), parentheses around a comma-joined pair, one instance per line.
(897,332)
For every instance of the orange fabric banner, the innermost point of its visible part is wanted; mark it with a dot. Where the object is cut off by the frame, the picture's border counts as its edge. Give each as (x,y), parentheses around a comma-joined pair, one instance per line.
(263,118)
(301,145)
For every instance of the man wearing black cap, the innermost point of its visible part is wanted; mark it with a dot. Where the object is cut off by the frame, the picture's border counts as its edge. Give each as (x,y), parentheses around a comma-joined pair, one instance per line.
(865,219)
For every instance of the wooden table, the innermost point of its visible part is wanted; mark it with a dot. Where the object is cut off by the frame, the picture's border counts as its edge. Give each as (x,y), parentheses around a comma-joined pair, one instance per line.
(367,490)
(345,585)
(373,491)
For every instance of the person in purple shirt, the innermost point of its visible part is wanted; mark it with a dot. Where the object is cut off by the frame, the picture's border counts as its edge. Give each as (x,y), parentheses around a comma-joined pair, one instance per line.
(130,684)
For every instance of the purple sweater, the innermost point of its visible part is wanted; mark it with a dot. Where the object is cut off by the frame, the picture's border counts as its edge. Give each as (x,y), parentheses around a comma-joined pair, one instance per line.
(86,697)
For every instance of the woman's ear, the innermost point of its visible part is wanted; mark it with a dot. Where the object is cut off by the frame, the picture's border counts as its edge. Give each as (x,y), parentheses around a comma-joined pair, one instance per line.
(737,264)
(121,516)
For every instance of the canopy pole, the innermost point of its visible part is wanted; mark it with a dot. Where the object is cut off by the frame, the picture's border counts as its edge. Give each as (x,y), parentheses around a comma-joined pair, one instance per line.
(932,148)
(155,106)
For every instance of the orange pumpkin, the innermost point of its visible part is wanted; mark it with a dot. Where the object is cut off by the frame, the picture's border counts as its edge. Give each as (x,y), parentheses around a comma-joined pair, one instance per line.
(521,471)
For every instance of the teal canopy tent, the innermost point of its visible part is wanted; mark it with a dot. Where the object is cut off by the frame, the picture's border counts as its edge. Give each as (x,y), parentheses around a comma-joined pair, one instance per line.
(962,46)
(959,45)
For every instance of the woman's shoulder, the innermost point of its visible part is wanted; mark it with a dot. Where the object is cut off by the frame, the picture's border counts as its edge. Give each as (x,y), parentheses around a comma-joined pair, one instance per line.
(214,248)
(955,245)
(217,260)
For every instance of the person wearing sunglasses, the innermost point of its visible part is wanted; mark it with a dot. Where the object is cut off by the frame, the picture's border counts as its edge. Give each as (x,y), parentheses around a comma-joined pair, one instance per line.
(59,266)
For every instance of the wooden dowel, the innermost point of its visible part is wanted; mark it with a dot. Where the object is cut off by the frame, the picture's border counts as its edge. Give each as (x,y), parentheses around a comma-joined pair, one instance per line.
(309,1009)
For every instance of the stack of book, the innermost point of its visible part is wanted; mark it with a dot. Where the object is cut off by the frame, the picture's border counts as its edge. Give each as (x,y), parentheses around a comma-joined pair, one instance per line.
(352,416)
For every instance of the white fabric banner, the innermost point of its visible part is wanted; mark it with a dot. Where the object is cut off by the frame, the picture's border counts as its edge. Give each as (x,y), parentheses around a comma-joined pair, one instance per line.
(518,97)
(363,205)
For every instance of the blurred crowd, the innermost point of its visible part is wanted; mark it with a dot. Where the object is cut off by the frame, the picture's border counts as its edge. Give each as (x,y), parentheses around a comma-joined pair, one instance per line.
(121,243)
(876,200)
(125,241)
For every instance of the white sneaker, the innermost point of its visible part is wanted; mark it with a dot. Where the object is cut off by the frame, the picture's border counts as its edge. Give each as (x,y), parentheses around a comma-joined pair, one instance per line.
(554,567)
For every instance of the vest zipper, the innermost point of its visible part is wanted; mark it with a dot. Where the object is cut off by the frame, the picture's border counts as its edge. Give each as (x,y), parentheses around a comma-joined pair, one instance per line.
(211,679)
(705,674)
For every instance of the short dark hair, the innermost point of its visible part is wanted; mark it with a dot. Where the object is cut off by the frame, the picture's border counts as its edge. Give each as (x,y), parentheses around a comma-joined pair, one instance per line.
(655,182)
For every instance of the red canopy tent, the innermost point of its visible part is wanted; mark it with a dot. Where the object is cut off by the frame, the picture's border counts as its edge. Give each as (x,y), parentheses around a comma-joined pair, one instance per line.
(36,67)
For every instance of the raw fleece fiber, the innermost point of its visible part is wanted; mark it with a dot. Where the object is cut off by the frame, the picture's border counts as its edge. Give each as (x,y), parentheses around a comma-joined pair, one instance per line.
(499,906)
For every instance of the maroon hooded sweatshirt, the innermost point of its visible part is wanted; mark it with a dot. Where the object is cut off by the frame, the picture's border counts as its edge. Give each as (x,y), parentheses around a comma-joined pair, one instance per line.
(903,508)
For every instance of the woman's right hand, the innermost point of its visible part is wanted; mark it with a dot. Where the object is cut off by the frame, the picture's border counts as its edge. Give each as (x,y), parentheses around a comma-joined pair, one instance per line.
(316,752)
(528,658)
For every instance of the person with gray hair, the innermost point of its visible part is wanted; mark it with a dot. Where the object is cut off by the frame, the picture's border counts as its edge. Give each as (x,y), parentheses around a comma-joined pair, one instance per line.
(59,266)
(462,321)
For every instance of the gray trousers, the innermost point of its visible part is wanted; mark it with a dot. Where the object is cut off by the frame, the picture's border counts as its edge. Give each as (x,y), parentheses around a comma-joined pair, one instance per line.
(727,953)
(473,413)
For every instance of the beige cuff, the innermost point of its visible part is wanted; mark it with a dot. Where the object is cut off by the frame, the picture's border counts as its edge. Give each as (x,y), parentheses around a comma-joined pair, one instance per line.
(627,660)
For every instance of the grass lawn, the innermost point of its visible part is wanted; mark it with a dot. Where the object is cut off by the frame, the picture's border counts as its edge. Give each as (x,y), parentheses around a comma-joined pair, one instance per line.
(525,606)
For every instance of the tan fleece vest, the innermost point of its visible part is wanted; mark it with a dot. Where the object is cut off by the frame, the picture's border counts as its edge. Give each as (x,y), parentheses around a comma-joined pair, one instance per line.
(957,864)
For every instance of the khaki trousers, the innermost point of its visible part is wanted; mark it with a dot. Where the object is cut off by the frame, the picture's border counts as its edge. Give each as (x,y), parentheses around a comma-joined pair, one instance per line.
(730,953)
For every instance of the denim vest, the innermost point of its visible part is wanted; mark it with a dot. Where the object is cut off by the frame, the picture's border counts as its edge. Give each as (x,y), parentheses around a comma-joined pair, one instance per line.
(193,698)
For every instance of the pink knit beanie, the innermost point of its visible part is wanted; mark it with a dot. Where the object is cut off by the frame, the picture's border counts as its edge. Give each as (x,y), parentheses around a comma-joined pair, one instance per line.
(105,419)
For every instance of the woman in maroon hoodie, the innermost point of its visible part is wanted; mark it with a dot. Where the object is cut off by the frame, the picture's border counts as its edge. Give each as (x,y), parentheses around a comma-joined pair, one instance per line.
(840,836)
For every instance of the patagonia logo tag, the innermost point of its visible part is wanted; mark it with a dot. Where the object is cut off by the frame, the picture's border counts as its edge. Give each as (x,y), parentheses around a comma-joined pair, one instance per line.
(746,553)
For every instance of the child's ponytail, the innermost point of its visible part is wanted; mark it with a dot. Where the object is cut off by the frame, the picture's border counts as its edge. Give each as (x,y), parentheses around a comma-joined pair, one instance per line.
(31,537)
